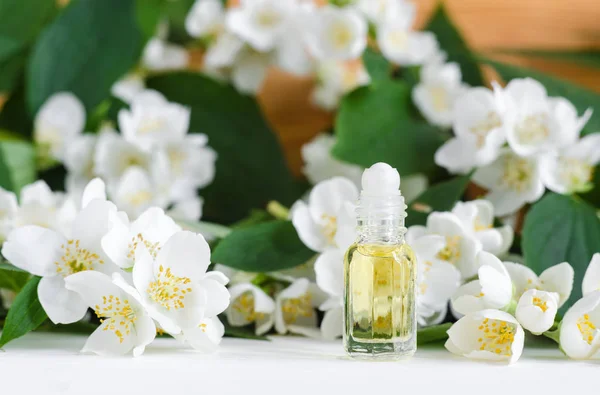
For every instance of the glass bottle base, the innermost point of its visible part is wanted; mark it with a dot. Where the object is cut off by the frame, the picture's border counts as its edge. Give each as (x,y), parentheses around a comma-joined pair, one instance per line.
(381,351)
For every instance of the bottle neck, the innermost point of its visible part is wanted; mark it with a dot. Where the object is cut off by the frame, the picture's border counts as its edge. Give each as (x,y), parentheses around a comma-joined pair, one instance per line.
(381,231)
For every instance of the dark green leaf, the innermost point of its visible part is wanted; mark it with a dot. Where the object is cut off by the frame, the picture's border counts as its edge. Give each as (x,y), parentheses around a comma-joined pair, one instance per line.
(582,98)
(17,165)
(14,116)
(21,21)
(10,71)
(85,50)
(452,42)
(266,247)
(432,334)
(559,229)
(81,327)
(593,196)
(176,12)
(440,197)
(377,66)
(374,125)
(8,267)
(148,14)
(588,57)
(256,216)
(250,169)
(25,314)
(13,280)
(242,332)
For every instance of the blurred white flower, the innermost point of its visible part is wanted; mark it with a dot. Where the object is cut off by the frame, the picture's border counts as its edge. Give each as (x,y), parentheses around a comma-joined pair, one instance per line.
(60,119)
(49,254)
(7,297)
(437,280)
(125,325)
(250,304)
(557,278)
(79,162)
(579,328)
(335,79)
(570,169)
(477,217)
(206,336)
(336,33)
(320,164)
(478,132)
(8,212)
(460,247)
(189,209)
(295,309)
(492,290)
(378,10)
(512,181)
(436,93)
(136,192)
(152,120)
(490,335)
(205,18)
(223,52)
(591,279)
(535,123)
(160,55)
(329,270)
(536,310)
(150,230)
(317,222)
(250,70)
(173,286)
(128,87)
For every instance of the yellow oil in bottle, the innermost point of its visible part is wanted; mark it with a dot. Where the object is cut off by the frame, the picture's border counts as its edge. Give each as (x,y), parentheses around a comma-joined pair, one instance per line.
(380,316)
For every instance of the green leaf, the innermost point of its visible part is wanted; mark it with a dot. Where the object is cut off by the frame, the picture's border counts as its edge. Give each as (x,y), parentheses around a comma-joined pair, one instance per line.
(589,57)
(265,247)
(14,116)
(148,13)
(250,168)
(440,197)
(242,332)
(452,42)
(85,50)
(559,229)
(176,12)
(374,125)
(21,21)
(8,267)
(17,165)
(13,280)
(581,98)
(433,333)
(215,230)
(25,314)
(377,66)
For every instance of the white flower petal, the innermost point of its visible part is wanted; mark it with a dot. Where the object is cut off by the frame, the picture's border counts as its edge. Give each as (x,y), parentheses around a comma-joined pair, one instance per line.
(34,249)
(62,305)
(559,279)
(536,310)
(217,297)
(575,331)
(332,324)
(329,269)
(186,253)
(591,279)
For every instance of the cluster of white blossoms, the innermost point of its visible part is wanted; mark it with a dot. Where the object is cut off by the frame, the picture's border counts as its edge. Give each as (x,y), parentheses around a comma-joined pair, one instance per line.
(520,141)
(152,162)
(307,38)
(137,276)
(509,297)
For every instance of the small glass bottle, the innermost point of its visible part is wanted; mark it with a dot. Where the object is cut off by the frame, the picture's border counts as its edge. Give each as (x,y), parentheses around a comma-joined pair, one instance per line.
(380,273)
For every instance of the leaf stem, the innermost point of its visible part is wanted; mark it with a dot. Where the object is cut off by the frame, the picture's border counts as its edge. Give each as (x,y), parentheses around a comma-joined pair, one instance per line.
(278,210)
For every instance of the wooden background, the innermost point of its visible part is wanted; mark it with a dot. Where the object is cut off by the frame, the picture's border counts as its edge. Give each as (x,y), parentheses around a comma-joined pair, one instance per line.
(487,25)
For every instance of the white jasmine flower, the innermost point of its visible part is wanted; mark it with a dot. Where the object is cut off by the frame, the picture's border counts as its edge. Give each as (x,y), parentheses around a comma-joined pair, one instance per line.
(135,192)
(206,18)
(57,122)
(490,335)
(160,55)
(534,123)
(478,130)
(295,309)
(337,33)
(125,324)
(79,162)
(461,247)
(437,280)
(319,164)
(512,182)
(152,120)
(317,221)
(173,285)
(536,310)
(206,336)
(558,278)
(128,87)
(591,279)
(437,91)
(570,169)
(47,253)
(250,304)
(378,10)
(150,230)
(579,328)
(259,22)
(493,289)
(223,52)
(337,78)
(114,155)
(477,217)
(329,270)
(42,207)
(250,70)
(7,297)
(189,209)
(292,54)
(8,212)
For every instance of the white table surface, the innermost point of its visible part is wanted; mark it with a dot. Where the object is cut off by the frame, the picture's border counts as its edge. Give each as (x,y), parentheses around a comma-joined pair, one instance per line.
(43,363)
